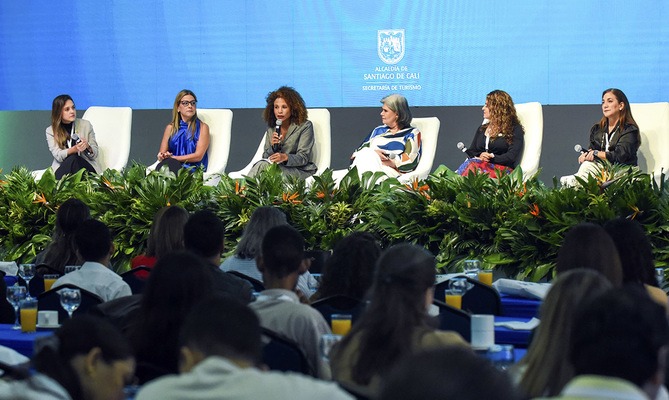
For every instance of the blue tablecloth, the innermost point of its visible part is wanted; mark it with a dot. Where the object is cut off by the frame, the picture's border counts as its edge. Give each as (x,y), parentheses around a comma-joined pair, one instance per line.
(10,280)
(518,338)
(519,307)
(19,341)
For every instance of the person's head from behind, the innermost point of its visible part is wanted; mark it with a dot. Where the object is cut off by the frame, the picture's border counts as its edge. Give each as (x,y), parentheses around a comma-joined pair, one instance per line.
(634,249)
(70,215)
(282,254)
(94,241)
(548,369)
(399,106)
(89,357)
(167,231)
(622,334)
(350,268)
(587,245)
(220,326)
(204,234)
(446,373)
(262,220)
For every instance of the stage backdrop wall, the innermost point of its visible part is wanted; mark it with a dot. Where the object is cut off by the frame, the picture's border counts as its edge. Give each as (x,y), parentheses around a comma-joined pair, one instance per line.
(23,140)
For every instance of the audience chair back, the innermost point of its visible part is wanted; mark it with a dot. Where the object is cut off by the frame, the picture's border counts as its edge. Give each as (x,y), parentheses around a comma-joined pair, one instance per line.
(36,286)
(51,301)
(480,299)
(653,121)
(257,285)
(339,304)
(532,118)
(452,319)
(282,354)
(135,282)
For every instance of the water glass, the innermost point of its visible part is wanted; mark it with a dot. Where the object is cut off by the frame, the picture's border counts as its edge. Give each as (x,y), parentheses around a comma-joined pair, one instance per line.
(460,285)
(659,275)
(327,343)
(27,272)
(70,299)
(472,268)
(16,294)
(502,356)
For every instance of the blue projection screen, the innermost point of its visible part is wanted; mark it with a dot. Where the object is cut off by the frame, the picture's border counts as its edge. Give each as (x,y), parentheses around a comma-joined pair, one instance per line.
(336,53)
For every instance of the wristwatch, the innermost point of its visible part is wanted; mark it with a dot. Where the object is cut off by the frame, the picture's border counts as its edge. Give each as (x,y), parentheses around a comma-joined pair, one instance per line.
(595,153)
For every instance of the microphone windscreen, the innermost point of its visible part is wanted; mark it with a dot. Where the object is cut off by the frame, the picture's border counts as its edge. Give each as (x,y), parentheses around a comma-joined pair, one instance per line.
(578,148)
(279,122)
(461,145)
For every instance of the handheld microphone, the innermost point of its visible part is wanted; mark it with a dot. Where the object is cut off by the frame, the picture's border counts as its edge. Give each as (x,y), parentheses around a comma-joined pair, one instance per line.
(277,147)
(462,147)
(77,140)
(579,149)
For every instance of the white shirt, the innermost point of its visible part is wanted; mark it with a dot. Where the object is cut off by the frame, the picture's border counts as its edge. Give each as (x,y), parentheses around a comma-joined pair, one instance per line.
(97,279)
(218,378)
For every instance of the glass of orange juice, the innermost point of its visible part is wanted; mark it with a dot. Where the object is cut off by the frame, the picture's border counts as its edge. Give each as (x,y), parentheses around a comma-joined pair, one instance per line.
(341,323)
(454,298)
(49,280)
(29,315)
(485,276)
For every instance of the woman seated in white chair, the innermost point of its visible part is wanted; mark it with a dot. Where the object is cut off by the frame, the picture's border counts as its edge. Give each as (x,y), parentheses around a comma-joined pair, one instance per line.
(615,138)
(394,147)
(186,138)
(289,137)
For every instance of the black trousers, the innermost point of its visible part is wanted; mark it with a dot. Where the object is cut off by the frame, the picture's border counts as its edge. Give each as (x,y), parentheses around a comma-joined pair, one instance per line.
(173,165)
(73,163)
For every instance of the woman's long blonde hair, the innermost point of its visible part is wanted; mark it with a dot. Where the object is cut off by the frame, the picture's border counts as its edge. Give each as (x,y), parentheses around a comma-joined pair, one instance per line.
(503,115)
(176,117)
(60,135)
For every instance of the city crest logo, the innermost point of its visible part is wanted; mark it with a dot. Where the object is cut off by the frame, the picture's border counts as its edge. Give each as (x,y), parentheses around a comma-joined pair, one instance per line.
(391,45)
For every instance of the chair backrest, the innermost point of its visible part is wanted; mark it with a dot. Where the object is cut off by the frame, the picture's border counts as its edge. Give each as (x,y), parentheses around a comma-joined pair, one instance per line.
(452,319)
(339,304)
(480,299)
(653,121)
(282,354)
(112,126)
(50,300)
(220,130)
(532,118)
(134,280)
(256,284)
(429,133)
(320,118)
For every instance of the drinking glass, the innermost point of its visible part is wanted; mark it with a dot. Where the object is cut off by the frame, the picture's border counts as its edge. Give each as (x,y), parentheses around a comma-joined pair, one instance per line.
(460,284)
(472,268)
(659,275)
(70,299)
(340,323)
(16,294)
(29,315)
(27,272)
(327,343)
(49,280)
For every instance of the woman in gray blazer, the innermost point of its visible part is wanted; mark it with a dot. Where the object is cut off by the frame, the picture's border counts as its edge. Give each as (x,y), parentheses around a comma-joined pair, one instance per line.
(289,137)
(70,140)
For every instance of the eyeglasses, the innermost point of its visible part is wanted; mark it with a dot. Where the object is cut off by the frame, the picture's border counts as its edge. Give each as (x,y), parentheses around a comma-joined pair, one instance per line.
(186,103)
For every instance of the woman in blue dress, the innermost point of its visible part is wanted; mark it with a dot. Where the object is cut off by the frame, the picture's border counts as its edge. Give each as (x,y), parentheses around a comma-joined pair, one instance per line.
(186,138)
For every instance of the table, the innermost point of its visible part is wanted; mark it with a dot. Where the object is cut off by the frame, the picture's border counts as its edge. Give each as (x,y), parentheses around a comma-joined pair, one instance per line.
(520,307)
(518,338)
(19,341)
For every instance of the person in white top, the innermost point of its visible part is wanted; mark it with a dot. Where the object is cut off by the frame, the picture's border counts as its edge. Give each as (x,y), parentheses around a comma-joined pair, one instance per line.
(220,355)
(95,246)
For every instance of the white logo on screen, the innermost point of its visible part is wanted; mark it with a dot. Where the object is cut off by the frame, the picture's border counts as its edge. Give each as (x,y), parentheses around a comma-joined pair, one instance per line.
(391,45)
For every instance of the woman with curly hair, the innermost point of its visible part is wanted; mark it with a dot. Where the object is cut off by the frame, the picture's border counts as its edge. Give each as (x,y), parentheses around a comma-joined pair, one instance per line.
(498,143)
(289,137)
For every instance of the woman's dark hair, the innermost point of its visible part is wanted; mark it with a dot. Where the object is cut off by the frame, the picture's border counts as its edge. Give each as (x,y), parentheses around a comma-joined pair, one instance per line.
(626,117)
(63,251)
(167,231)
(298,110)
(587,245)
(262,220)
(634,250)
(78,336)
(385,330)
(60,135)
(178,281)
(350,269)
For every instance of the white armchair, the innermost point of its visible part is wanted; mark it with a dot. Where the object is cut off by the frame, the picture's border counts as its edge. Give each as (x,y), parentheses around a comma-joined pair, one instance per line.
(429,132)
(653,121)
(532,118)
(320,118)
(112,127)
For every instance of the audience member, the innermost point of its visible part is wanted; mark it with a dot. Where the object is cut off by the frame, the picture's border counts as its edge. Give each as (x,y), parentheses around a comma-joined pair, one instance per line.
(166,235)
(178,282)
(618,347)
(448,373)
(86,359)
(220,355)
(350,269)
(545,368)
(636,257)
(62,250)
(278,307)
(587,245)
(244,259)
(94,244)
(204,235)
(394,324)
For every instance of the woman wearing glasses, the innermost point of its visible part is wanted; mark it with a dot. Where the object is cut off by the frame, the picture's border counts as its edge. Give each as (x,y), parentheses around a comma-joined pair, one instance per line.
(186,138)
